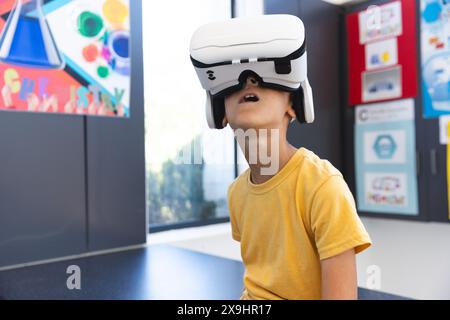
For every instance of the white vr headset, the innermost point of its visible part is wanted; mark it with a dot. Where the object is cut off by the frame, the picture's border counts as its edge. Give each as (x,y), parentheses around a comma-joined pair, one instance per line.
(272,48)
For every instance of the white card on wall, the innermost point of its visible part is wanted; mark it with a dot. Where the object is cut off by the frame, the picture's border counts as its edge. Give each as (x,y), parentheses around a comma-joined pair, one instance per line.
(385,146)
(380,22)
(386,189)
(443,124)
(381,54)
(382,84)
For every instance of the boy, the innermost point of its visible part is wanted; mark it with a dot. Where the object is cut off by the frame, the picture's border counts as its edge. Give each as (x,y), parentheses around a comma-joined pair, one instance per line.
(293,215)
(299,230)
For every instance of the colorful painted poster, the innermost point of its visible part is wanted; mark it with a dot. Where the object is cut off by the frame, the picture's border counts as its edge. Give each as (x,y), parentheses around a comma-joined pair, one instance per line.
(385,145)
(65,56)
(435,46)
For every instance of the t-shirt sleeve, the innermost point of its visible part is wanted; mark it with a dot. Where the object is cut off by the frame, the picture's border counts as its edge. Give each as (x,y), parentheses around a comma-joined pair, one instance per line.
(235,234)
(334,220)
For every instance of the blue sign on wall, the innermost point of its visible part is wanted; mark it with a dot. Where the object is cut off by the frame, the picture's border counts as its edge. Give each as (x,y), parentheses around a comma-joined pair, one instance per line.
(435,47)
(385,146)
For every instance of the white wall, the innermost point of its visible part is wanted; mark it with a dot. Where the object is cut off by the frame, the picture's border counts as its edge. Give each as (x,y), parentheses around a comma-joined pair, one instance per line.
(414,257)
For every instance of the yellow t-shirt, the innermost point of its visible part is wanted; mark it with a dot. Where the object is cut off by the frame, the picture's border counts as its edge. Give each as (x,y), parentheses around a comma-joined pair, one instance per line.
(286,225)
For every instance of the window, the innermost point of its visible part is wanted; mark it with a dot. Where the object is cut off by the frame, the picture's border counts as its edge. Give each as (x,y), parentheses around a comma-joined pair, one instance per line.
(189,166)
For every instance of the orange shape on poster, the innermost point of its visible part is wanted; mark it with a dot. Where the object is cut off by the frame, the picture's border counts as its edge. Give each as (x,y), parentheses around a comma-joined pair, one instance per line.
(90,53)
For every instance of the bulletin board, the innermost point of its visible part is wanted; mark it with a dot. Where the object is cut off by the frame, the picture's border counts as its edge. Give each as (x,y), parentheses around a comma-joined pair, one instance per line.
(381,52)
(396,151)
(65,57)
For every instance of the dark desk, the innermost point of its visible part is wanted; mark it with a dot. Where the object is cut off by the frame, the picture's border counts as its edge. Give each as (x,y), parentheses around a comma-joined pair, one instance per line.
(155,272)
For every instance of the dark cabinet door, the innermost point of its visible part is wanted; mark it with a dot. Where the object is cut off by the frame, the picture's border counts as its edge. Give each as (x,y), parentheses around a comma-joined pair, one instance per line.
(42,207)
(435,165)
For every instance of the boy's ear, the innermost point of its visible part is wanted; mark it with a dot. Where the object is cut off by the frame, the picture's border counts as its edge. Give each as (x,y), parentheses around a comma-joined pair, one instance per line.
(290,110)
(224,121)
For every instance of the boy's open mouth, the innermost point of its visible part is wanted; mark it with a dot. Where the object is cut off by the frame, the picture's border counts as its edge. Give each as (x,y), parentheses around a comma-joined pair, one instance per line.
(248,97)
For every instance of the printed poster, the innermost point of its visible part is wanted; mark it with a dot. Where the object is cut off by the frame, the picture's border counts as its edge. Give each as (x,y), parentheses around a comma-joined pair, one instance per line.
(435,46)
(385,158)
(65,56)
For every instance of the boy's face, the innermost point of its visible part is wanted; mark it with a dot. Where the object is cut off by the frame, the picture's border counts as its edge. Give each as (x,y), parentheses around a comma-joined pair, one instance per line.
(255,107)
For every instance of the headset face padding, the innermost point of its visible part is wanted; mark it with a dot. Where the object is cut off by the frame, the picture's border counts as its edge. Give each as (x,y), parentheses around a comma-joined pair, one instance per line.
(215,106)
(308,102)
(269,47)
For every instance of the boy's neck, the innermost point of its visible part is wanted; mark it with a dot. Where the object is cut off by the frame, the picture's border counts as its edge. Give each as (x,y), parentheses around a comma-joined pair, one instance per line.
(272,146)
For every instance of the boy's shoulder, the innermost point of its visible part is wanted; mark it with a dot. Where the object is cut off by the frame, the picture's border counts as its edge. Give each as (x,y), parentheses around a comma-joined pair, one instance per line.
(316,177)
(240,181)
(311,172)
(315,166)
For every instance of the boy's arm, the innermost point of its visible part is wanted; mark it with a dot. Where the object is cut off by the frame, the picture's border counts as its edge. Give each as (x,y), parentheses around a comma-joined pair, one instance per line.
(339,276)
(339,234)
(235,234)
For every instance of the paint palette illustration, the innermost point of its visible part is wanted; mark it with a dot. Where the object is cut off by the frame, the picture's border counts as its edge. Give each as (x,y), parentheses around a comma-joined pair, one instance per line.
(99,48)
